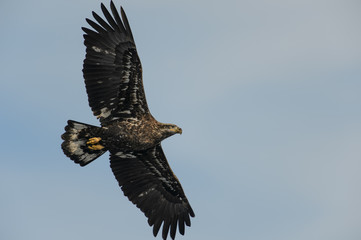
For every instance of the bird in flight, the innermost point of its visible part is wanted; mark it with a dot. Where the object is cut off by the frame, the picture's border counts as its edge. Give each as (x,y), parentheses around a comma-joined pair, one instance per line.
(113,81)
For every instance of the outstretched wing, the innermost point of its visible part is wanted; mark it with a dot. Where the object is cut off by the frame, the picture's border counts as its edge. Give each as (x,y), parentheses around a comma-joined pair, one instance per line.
(147,180)
(112,69)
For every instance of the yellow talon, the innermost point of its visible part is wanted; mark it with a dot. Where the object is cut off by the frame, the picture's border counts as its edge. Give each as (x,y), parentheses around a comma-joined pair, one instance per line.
(93,140)
(93,144)
(96,147)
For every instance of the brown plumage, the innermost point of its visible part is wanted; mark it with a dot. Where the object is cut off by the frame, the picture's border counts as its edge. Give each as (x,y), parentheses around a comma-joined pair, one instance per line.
(113,80)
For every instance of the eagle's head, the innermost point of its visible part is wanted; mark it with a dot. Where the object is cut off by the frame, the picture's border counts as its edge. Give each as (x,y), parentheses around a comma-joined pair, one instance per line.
(168,130)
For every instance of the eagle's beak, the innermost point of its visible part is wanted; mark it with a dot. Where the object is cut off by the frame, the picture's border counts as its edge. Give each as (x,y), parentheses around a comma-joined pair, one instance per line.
(177,130)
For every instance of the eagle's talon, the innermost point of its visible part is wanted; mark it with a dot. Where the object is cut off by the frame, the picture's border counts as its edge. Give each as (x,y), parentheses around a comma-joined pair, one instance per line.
(96,147)
(93,141)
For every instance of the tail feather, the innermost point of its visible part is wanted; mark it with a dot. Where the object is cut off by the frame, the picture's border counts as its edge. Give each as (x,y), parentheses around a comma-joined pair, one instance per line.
(76,139)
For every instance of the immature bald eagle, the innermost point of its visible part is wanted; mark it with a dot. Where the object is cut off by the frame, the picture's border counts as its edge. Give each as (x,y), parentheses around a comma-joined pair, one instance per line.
(113,79)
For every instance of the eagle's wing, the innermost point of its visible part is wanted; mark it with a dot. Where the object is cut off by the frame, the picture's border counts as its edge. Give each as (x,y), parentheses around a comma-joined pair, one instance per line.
(112,69)
(147,180)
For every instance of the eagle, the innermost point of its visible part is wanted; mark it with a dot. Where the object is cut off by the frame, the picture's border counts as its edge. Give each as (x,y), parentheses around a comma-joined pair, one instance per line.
(113,79)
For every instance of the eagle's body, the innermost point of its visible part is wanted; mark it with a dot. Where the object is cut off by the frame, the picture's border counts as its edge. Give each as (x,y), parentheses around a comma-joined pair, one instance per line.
(135,134)
(113,80)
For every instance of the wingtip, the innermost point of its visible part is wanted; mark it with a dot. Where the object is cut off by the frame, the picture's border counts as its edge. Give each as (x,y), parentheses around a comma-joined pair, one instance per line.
(165,229)
(84,30)
(122,12)
(103,7)
(95,15)
(112,5)
(89,21)
(191,212)
(126,23)
(124,16)
(156,227)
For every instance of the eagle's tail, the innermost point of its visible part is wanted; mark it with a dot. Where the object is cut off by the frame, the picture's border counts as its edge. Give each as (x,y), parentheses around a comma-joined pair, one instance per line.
(81,143)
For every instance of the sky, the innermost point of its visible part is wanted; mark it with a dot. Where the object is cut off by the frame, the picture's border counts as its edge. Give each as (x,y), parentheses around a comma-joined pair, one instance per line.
(268,94)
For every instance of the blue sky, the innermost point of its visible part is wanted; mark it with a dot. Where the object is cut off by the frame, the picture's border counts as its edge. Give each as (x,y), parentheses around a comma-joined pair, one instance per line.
(267,94)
